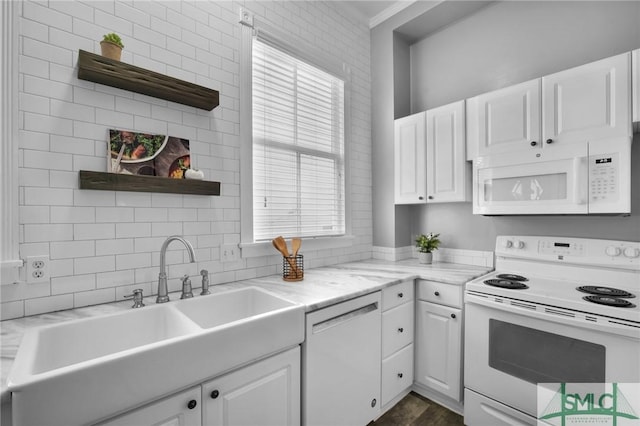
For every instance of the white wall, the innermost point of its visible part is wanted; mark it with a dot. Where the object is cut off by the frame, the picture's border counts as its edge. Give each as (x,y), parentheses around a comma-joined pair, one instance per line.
(103,244)
(504,43)
(508,43)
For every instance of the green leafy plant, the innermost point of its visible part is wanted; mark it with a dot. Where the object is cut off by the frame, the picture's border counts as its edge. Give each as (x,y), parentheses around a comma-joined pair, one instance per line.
(113,38)
(427,243)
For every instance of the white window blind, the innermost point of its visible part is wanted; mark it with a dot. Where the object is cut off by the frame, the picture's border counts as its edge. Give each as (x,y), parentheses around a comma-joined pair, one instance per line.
(298,147)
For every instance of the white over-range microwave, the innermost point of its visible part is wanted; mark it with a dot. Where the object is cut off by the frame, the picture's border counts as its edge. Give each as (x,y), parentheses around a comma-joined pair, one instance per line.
(579,178)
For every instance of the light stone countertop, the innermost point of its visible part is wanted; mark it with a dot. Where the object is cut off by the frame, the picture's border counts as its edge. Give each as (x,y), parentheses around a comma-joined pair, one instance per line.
(320,288)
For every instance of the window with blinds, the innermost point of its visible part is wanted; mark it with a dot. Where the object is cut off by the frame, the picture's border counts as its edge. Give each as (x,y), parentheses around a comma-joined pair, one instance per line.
(298,147)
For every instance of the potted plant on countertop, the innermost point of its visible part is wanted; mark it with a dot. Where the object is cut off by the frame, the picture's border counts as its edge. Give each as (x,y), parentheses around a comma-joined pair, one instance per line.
(111,46)
(426,244)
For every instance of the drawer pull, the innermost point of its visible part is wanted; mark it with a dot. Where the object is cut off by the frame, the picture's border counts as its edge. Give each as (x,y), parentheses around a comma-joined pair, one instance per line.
(192,404)
(400,375)
(437,293)
(215,394)
(400,295)
(453,315)
(400,330)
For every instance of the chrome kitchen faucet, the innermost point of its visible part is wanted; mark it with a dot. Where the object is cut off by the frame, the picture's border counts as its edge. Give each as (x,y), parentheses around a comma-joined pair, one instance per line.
(163,294)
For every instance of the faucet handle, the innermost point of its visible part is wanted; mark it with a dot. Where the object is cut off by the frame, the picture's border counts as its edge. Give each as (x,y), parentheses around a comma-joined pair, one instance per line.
(186,288)
(137,297)
(205,282)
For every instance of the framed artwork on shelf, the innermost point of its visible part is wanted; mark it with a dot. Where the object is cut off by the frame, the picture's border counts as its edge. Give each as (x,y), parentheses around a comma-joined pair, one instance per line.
(148,154)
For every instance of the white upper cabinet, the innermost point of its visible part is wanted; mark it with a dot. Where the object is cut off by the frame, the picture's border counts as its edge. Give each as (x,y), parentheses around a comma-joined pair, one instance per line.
(635,84)
(504,120)
(589,102)
(585,103)
(447,170)
(410,177)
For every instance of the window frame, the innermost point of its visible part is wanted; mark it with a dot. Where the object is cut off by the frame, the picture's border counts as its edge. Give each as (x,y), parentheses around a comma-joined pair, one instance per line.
(310,55)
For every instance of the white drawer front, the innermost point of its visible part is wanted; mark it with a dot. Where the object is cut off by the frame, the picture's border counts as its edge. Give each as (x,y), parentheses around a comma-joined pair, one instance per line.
(397,295)
(397,328)
(444,294)
(397,374)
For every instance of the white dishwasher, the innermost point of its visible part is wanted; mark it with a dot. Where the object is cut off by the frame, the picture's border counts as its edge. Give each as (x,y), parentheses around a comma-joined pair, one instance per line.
(341,363)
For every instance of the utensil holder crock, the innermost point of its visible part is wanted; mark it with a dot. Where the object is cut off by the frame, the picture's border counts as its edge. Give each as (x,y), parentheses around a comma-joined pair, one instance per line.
(293,268)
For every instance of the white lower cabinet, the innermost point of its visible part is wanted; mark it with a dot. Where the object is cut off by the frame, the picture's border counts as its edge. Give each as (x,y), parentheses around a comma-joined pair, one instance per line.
(181,409)
(397,341)
(439,343)
(264,393)
(439,340)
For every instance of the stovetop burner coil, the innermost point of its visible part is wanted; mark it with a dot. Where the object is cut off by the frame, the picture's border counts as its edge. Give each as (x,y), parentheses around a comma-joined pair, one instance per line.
(512,277)
(605,291)
(610,301)
(503,283)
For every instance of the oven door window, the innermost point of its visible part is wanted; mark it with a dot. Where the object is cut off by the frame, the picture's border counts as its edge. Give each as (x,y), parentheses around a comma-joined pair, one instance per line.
(541,357)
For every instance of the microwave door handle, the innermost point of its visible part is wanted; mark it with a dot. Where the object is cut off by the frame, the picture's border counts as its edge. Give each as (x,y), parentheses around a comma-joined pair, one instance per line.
(581,176)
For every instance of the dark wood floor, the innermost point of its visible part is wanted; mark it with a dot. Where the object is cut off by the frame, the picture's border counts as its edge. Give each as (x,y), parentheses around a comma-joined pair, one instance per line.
(415,410)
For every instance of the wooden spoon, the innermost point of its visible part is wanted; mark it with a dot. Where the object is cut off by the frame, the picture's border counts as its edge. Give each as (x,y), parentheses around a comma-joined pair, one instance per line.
(281,245)
(295,245)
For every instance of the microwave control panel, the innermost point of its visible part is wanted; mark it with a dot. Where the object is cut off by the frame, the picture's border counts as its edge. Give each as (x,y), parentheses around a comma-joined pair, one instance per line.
(603,178)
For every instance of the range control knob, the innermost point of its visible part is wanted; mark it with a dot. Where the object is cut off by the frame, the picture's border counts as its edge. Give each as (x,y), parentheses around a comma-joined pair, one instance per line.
(612,251)
(508,244)
(631,252)
(519,244)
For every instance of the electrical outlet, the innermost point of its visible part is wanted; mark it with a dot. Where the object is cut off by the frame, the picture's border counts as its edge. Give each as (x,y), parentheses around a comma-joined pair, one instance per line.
(229,252)
(37,269)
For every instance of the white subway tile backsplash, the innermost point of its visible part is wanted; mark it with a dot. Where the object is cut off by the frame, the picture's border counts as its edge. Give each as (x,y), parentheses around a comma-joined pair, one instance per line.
(72,249)
(94,198)
(95,264)
(115,279)
(94,231)
(118,246)
(94,297)
(114,214)
(73,284)
(48,304)
(133,261)
(48,196)
(73,214)
(102,244)
(35,11)
(133,230)
(33,177)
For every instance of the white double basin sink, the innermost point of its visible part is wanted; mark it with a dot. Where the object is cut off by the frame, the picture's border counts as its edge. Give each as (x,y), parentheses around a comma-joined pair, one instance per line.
(85,370)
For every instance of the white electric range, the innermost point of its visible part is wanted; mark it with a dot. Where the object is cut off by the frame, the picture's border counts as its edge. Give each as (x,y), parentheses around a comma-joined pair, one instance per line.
(555,310)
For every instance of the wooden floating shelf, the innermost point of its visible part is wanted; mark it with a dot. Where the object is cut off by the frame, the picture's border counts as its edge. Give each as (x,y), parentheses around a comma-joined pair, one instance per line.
(98,69)
(138,183)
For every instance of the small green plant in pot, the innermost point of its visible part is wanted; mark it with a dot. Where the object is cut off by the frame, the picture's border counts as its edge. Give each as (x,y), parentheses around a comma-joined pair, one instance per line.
(111,46)
(426,244)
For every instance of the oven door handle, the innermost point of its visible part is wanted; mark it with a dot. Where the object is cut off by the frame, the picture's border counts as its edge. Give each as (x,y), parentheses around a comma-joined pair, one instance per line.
(557,315)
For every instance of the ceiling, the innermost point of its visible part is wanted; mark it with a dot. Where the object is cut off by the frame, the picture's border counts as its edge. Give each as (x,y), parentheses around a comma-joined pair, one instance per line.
(365,10)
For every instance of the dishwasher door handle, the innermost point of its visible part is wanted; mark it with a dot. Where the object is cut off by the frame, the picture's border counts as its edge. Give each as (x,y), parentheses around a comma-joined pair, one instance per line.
(342,318)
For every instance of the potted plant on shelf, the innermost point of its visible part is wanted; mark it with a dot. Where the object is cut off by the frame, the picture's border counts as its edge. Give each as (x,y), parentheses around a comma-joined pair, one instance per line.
(426,244)
(112,46)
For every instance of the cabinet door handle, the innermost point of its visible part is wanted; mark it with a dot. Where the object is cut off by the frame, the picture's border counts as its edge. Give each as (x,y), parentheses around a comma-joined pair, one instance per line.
(192,404)
(421,198)
(400,330)
(453,316)
(400,375)
(549,140)
(437,293)
(400,295)
(430,197)
(534,143)
(215,394)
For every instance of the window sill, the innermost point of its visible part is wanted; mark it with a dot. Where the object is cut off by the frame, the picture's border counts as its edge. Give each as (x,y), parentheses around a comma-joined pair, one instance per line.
(265,248)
